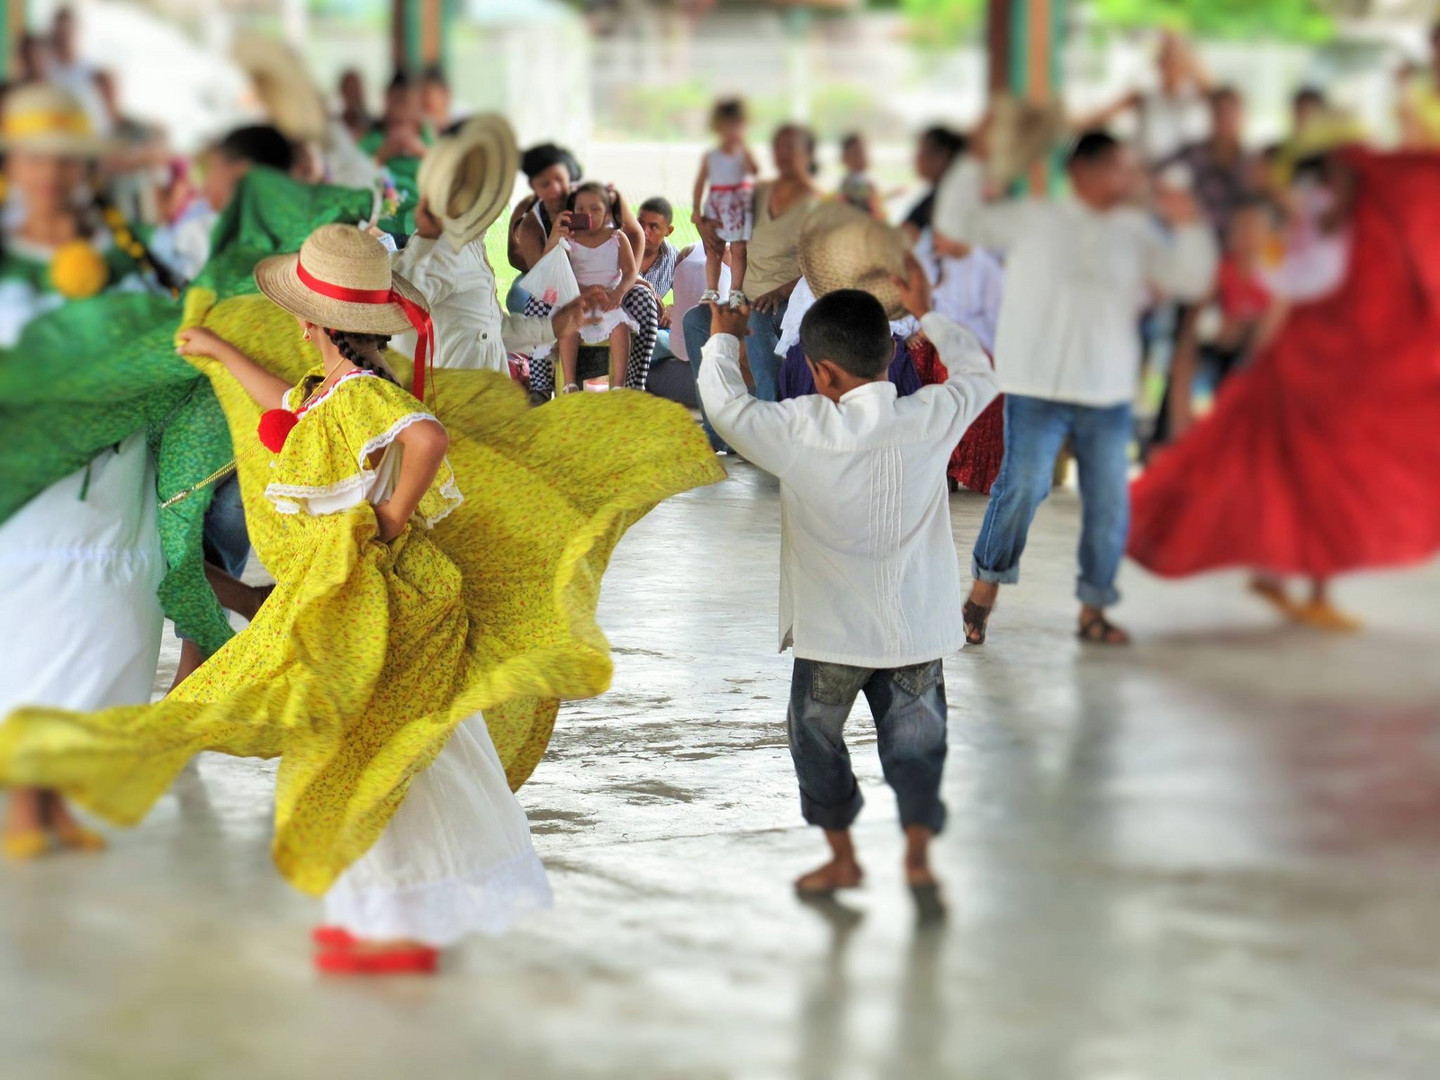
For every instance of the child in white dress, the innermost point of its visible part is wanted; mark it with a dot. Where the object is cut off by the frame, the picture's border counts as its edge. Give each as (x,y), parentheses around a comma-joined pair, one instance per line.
(727,172)
(601,256)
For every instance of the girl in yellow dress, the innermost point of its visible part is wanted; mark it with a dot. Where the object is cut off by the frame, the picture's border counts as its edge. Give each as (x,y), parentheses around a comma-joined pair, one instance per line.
(424,572)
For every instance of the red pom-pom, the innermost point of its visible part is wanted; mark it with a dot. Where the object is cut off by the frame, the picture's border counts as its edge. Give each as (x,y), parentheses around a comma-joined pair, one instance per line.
(275,428)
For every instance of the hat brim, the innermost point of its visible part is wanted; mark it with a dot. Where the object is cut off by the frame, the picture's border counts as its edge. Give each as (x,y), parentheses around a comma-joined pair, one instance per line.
(283,87)
(484,145)
(844,248)
(279,281)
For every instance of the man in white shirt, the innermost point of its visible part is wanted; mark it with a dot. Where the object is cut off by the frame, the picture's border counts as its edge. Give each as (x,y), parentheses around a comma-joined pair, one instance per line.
(1080,271)
(869,574)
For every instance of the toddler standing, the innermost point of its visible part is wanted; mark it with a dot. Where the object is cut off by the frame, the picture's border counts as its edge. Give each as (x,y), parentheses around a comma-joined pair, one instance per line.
(727,171)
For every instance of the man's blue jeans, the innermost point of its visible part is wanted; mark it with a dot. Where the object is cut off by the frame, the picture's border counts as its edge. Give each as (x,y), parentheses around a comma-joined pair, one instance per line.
(759,351)
(909,708)
(1035,429)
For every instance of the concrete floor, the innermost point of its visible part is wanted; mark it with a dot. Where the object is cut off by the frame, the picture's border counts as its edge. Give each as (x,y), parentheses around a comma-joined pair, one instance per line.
(1210,856)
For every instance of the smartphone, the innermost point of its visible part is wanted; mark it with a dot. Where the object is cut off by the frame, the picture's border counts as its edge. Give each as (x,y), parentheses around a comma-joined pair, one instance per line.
(580,222)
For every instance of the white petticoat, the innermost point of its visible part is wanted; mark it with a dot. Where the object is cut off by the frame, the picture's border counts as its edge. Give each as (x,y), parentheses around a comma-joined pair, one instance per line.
(455,860)
(78,575)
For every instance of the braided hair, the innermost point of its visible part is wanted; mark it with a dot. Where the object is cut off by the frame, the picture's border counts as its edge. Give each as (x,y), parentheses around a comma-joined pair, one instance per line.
(365,351)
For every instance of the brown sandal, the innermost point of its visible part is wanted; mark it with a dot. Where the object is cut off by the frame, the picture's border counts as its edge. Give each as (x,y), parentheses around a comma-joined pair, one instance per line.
(976,618)
(1098,630)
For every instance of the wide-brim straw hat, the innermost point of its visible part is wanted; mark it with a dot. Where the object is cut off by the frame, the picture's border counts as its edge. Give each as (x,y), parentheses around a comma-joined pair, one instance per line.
(339,258)
(467,178)
(845,248)
(1020,134)
(45,119)
(283,85)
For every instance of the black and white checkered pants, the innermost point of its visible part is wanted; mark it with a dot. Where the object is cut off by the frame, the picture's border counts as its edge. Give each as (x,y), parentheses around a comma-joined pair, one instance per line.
(640,304)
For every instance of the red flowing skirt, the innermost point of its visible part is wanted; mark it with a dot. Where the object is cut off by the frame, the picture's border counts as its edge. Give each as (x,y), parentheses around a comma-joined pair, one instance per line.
(1323,456)
(976,460)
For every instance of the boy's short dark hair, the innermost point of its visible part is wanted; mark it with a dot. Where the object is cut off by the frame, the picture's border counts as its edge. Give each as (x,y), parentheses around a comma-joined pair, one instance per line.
(658,204)
(259,144)
(852,139)
(435,74)
(848,327)
(1092,146)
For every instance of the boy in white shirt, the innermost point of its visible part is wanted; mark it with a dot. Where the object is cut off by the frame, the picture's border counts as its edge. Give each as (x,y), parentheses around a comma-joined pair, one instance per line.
(869,575)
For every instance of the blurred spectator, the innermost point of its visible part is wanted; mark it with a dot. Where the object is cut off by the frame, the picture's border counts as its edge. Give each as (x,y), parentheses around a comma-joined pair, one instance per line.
(781,207)
(35,57)
(184,244)
(436,104)
(1308,105)
(401,130)
(1218,169)
(670,377)
(1171,114)
(1420,100)
(72,74)
(1237,307)
(968,290)
(857,188)
(354,112)
(937,150)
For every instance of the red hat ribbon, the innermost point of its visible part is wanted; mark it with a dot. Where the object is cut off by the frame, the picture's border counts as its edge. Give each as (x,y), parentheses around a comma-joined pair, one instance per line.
(418,316)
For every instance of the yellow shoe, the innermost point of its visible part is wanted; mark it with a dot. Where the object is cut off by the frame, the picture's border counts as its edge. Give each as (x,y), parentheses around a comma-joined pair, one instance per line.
(1323,616)
(25,844)
(79,838)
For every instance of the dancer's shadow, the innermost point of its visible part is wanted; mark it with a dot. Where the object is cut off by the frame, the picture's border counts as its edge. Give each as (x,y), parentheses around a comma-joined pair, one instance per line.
(825,1010)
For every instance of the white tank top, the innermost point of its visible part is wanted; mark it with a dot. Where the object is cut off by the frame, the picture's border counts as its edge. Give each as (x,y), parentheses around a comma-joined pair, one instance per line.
(726,170)
(597,265)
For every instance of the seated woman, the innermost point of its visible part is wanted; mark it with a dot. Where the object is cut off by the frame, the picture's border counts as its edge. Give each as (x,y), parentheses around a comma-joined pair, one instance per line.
(553,173)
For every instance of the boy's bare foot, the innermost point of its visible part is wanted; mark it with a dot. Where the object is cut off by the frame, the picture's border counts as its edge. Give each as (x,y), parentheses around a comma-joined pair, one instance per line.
(924,886)
(834,875)
(1272,591)
(977,610)
(841,872)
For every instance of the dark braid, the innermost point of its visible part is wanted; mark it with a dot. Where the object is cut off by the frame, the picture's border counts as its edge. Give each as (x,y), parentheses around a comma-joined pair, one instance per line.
(364,351)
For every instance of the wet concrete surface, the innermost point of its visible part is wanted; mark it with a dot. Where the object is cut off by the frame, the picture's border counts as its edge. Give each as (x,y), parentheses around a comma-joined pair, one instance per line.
(1212,855)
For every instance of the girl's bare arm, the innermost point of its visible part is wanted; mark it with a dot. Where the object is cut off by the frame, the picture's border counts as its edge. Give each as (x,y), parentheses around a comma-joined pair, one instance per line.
(268,390)
(425,445)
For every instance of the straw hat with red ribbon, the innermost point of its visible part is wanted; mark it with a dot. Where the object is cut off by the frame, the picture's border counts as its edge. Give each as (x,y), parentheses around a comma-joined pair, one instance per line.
(341,280)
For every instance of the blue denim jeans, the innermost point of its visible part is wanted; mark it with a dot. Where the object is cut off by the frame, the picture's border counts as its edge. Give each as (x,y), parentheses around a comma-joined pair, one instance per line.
(759,351)
(909,708)
(1035,429)
(225,539)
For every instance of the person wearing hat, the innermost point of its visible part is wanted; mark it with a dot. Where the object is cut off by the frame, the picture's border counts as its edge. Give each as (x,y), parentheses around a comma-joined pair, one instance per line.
(408,667)
(465,183)
(81,560)
(1079,273)
(868,572)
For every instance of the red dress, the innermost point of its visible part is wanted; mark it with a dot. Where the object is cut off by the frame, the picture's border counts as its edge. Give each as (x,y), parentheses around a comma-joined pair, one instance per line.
(976,460)
(1324,455)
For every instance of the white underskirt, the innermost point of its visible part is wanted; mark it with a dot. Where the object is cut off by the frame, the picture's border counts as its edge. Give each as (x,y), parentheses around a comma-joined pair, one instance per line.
(81,622)
(455,860)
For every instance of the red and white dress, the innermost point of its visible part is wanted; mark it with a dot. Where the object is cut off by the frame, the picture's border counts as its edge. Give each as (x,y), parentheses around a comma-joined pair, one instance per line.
(732,195)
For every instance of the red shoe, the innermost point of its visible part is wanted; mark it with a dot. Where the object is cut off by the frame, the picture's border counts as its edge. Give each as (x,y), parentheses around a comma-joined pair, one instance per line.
(332,937)
(410,961)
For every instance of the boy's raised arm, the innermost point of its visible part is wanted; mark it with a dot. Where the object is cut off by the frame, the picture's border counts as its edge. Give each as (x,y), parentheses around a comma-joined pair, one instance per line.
(760,431)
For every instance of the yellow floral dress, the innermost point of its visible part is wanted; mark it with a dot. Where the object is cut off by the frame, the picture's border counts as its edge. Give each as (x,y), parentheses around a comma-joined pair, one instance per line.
(369,655)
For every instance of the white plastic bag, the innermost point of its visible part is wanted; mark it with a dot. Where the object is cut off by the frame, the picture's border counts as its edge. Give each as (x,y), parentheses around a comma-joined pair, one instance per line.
(551,280)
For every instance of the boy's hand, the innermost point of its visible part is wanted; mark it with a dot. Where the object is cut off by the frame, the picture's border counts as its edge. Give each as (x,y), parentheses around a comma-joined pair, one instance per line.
(427,225)
(726,320)
(914,288)
(569,319)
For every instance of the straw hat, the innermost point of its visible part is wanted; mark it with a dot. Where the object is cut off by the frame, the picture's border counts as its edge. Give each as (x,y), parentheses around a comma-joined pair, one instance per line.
(340,257)
(467,178)
(45,119)
(1020,133)
(283,85)
(844,248)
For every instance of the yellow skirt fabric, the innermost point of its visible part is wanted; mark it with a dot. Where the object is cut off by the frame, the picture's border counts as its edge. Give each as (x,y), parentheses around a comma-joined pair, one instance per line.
(368,655)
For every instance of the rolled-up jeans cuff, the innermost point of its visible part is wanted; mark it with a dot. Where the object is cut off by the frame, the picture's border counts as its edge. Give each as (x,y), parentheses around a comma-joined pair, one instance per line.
(995,577)
(841,816)
(1096,595)
(931,817)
